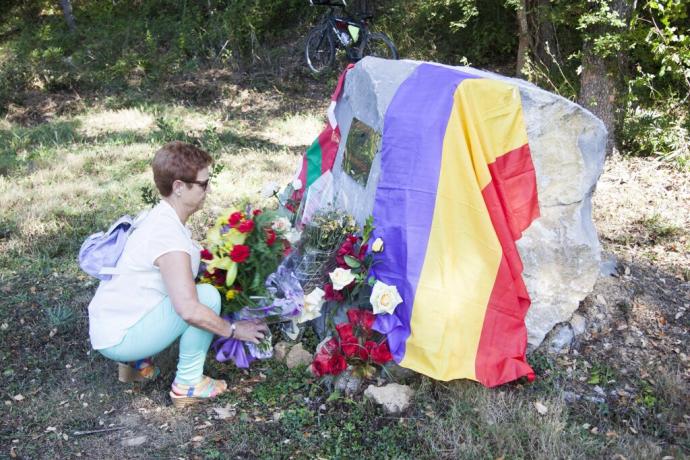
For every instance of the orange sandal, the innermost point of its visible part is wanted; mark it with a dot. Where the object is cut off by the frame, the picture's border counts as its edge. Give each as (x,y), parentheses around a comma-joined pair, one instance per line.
(138,371)
(187,395)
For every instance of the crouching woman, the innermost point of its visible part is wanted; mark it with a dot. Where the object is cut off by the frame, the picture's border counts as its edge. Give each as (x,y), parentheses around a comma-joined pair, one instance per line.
(152,299)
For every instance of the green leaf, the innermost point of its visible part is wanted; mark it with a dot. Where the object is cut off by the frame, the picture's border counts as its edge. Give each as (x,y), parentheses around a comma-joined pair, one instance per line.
(352,262)
(333,396)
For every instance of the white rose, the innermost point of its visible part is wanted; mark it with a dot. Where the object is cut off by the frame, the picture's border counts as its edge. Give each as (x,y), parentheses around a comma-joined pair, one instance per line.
(341,278)
(297,184)
(269,189)
(377,245)
(312,306)
(293,236)
(281,225)
(384,298)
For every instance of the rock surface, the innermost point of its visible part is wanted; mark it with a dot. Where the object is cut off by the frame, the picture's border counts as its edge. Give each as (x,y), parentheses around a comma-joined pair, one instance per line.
(298,356)
(578,323)
(560,250)
(134,442)
(347,383)
(394,398)
(562,338)
(280,350)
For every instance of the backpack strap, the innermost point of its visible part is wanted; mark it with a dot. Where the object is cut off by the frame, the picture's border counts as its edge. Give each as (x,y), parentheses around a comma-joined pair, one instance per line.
(135,223)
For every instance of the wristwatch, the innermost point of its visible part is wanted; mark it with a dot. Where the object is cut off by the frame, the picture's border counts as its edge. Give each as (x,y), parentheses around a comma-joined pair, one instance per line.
(233,326)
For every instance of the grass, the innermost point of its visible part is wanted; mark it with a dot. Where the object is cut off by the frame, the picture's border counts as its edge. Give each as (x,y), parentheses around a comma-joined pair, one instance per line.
(75,175)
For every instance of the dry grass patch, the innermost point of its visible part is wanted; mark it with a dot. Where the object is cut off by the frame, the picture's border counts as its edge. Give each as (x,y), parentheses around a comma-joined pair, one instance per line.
(641,209)
(486,423)
(115,121)
(294,130)
(72,196)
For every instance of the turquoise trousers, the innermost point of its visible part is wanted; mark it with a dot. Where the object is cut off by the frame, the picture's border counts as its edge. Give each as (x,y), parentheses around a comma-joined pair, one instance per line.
(160,328)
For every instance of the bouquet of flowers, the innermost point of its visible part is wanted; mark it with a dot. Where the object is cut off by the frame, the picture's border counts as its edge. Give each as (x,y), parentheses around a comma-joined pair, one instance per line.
(353,263)
(241,259)
(241,250)
(356,346)
(284,302)
(319,239)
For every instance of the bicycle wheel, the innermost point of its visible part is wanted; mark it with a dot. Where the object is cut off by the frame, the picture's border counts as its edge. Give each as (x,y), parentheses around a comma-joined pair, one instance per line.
(379,45)
(319,51)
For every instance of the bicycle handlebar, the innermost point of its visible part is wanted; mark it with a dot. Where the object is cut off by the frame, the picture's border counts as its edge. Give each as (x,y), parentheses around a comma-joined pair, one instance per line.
(328,3)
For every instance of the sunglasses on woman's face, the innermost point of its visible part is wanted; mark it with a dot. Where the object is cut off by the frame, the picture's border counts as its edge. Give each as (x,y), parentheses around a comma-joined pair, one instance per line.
(202,184)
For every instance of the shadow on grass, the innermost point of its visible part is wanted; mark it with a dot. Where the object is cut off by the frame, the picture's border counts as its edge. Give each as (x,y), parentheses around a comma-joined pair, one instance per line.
(39,146)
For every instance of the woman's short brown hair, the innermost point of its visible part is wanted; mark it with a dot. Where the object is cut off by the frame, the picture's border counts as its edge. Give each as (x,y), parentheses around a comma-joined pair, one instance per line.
(177,161)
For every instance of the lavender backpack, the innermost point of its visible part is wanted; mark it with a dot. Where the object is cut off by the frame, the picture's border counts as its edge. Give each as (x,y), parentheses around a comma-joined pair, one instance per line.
(100,252)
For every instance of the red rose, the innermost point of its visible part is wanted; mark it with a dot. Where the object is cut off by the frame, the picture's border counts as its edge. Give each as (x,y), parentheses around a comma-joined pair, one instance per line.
(337,364)
(381,354)
(350,346)
(332,294)
(346,249)
(245,226)
(239,253)
(331,346)
(320,364)
(287,249)
(362,318)
(235,218)
(363,251)
(270,236)
(345,331)
(328,360)
(206,254)
(256,212)
(219,277)
(369,346)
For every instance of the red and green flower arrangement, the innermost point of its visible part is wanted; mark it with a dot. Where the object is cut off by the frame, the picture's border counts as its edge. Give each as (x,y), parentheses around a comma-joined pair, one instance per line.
(240,251)
(357,345)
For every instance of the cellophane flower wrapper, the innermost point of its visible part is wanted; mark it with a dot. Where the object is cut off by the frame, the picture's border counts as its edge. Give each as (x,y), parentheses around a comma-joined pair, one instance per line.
(286,302)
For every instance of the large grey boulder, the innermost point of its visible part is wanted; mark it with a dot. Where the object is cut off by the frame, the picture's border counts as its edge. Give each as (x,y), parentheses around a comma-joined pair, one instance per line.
(560,250)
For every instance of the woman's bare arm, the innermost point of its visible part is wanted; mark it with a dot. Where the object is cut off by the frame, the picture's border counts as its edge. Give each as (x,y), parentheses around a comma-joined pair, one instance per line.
(177,276)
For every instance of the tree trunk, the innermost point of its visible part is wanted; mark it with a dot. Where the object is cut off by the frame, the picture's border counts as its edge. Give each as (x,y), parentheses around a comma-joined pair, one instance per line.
(546,52)
(69,16)
(598,91)
(523,38)
(598,82)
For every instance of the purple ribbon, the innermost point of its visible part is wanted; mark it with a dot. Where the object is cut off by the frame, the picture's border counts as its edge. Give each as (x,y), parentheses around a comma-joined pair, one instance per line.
(287,302)
(232,349)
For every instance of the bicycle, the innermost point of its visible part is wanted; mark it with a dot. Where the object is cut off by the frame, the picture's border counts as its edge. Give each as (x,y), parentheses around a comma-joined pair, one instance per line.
(344,31)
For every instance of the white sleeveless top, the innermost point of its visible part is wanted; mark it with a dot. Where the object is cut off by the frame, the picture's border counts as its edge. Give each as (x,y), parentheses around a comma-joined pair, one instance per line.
(138,288)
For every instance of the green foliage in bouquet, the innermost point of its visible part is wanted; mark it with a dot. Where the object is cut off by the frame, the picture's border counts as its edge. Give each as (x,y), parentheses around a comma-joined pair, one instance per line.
(241,250)
(327,229)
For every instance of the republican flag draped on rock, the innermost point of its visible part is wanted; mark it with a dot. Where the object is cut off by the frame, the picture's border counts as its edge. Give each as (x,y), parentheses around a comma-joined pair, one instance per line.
(457,188)
(321,154)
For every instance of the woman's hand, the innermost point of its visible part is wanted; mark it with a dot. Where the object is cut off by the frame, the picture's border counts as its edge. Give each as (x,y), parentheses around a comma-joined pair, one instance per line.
(250,331)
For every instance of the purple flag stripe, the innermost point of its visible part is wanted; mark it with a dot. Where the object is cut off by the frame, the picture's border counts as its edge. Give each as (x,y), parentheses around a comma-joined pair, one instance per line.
(413,130)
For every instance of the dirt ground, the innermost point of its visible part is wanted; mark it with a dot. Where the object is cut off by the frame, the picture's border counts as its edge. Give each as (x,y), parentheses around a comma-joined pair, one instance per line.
(624,381)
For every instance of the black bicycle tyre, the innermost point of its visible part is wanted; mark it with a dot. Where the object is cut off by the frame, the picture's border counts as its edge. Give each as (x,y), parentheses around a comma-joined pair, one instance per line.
(380,37)
(322,56)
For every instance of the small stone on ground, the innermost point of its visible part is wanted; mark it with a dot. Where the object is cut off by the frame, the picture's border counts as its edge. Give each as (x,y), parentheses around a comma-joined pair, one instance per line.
(298,356)
(134,442)
(394,398)
(280,350)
